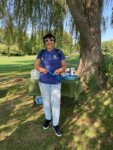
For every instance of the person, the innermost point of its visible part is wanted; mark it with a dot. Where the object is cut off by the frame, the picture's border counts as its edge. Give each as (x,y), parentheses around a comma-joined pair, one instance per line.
(50,60)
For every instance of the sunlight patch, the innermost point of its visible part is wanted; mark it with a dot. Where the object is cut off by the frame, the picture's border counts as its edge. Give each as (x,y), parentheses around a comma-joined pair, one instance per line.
(6,134)
(34,117)
(107,102)
(9,124)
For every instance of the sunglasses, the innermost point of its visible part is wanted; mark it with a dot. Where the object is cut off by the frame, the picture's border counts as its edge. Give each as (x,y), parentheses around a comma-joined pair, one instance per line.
(47,40)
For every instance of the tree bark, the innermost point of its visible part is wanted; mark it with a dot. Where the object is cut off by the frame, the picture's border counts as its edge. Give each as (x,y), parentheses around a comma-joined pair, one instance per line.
(87,18)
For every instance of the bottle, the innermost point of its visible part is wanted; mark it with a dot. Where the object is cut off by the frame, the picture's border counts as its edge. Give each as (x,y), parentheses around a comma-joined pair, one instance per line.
(73,71)
(67,72)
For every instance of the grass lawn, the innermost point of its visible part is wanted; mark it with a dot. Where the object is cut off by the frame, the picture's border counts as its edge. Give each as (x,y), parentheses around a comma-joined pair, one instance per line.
(87,125)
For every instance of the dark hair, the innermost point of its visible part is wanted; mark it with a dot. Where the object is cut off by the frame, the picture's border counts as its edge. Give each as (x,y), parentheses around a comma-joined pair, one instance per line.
(48,35)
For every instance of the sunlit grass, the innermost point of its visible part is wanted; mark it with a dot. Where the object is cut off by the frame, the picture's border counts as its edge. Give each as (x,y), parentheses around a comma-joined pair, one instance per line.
(72,61)
(16,60)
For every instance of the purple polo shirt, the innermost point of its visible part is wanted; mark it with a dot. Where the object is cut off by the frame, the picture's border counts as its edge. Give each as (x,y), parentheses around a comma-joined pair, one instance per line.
(51,60)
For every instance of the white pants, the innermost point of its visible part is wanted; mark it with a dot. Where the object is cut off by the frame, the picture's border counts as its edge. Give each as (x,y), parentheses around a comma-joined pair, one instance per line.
(51,95)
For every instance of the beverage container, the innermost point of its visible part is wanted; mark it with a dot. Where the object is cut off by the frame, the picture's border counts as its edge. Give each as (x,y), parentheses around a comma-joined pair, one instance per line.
(72,71)
(67,72)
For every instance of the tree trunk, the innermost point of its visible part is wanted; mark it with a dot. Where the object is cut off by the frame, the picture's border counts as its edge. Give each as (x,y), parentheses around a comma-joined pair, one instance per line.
(87,17)
(90,60)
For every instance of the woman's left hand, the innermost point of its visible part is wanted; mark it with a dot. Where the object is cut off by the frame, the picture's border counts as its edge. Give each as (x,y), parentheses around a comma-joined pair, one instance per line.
(57,71)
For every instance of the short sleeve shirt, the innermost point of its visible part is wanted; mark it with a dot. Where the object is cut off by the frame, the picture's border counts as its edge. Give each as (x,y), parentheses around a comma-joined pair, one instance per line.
(51,60)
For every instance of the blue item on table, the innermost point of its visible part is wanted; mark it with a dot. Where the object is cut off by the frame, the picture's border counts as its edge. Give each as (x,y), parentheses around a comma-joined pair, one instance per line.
(71,77)
(67,77)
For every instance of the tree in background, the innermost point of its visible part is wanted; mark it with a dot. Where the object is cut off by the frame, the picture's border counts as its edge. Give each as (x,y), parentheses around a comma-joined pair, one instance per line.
(31,44)
(107,47)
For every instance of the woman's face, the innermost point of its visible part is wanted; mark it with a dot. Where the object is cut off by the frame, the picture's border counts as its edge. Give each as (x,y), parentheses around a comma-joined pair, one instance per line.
(49,43)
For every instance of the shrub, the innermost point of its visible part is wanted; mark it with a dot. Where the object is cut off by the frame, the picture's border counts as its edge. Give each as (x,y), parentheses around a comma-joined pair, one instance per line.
(107,68)
(12,50)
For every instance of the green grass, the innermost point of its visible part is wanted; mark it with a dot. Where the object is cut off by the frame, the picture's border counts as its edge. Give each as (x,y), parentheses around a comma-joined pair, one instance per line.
(87,125)
(73,61)
(11,66)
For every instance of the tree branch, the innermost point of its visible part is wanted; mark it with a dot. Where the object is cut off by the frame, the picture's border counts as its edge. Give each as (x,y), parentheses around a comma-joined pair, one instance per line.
(77,11)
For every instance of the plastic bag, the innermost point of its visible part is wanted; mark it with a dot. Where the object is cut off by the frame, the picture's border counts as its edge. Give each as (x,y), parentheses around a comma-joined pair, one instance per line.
(35,74)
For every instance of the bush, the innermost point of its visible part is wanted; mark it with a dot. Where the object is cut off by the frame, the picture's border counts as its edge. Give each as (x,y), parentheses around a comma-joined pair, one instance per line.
(107,68)
(12,50)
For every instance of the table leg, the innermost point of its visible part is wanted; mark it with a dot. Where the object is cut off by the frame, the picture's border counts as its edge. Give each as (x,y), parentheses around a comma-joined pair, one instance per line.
(34,102)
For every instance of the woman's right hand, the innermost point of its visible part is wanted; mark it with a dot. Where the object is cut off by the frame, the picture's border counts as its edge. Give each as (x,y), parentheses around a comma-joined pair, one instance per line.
(39,68)
(43,70)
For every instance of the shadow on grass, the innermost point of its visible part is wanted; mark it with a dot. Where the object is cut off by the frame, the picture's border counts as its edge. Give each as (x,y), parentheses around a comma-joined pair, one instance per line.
(10,79)
(86,125)
(3,92)
(102,115)
(15,68)
(21,125)
(94,122)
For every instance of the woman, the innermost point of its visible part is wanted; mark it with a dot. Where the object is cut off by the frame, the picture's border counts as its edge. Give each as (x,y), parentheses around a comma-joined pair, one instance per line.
(50,60)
